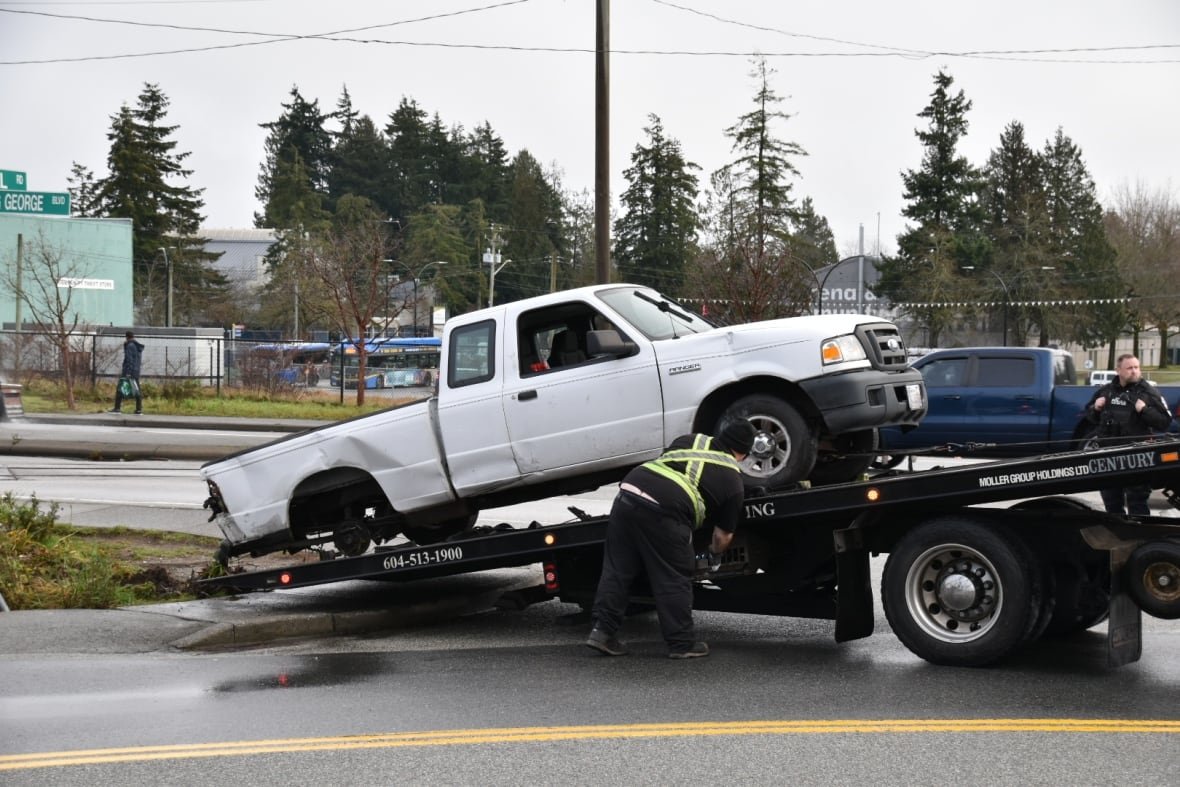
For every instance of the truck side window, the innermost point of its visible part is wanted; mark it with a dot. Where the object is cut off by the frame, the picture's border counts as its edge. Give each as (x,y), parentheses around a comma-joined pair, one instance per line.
(471,357)
(945,372)
(1006,372)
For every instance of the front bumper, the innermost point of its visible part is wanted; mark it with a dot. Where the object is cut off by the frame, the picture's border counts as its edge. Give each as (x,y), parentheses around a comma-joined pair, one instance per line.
(867,399)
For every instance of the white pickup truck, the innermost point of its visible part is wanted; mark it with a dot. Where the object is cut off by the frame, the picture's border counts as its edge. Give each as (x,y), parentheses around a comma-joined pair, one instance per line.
(563,393)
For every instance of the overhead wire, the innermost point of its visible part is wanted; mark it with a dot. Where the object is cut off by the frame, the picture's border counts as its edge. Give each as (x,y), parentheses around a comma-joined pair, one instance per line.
(887,51)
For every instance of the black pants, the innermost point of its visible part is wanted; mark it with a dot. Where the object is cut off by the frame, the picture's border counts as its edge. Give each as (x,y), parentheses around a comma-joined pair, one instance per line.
(1136,498)
(640,536)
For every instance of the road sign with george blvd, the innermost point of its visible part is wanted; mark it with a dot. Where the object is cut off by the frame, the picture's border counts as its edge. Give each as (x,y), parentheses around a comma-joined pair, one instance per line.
(45,203)
(11,179)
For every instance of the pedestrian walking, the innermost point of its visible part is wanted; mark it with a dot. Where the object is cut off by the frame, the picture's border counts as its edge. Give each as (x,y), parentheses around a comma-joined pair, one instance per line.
(128,385)
(1127,409)
(696,482)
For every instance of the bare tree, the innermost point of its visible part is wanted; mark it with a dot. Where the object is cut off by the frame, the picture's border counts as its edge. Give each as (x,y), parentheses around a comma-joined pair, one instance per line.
(45,280)
(349,262)
(1144,229)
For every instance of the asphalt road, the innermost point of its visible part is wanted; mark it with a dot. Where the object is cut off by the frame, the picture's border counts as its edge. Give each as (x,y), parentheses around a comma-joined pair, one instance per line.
(461,693)
(511,697)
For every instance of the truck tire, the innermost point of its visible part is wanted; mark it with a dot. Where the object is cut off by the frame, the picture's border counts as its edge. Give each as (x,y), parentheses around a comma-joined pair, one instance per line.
(959,593)
(1153,579)
(1075,596)
(785,447)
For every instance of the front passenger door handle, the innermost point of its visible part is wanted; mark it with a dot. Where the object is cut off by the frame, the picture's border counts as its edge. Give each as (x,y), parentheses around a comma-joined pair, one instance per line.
(526,395)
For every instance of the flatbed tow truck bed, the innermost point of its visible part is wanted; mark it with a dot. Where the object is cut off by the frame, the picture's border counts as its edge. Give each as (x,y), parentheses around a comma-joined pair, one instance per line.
(964,584)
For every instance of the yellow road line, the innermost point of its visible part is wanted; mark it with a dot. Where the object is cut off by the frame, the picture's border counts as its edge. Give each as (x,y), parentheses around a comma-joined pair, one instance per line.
(588,732)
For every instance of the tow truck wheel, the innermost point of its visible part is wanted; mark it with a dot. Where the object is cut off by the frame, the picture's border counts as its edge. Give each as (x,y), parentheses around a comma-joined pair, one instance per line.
(959,593)
(1153,579)
(784,447)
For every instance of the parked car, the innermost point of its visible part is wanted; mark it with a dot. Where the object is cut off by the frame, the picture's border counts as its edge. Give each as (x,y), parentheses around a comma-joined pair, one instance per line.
(998,401)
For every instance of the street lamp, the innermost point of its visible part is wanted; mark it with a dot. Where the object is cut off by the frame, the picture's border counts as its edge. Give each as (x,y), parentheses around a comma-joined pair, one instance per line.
(417,276)
(1007,294)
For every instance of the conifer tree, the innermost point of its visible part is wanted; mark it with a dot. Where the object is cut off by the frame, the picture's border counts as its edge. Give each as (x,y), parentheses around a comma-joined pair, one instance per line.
(299,133)
(145,184)
(656,235)
(926,278)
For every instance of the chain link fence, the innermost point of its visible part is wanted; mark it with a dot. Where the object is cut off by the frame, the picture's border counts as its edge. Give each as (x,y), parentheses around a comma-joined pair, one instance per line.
(205,357)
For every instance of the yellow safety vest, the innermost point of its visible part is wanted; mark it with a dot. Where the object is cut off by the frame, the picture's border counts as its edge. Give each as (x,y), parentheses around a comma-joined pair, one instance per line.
(689,479)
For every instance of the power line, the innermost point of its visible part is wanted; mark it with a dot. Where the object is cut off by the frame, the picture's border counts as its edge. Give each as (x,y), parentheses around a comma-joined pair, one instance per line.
(1021,55)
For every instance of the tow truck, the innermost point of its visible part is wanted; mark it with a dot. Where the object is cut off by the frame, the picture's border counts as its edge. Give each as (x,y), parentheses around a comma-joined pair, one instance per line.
(965,583)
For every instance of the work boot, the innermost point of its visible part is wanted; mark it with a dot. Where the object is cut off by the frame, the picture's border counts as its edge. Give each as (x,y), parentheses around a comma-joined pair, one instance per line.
(605,643)
(696,650)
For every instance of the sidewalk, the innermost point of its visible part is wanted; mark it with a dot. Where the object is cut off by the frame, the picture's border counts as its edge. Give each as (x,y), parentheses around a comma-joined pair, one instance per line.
(337,609)
(126,436)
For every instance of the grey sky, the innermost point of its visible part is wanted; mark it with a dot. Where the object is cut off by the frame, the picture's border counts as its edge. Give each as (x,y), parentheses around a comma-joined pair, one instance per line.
(853,75)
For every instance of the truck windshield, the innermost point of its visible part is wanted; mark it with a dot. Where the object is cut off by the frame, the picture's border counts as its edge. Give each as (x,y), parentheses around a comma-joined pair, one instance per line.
(653,314)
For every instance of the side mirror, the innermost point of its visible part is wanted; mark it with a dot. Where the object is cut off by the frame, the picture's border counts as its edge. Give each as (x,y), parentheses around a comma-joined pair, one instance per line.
(610,343)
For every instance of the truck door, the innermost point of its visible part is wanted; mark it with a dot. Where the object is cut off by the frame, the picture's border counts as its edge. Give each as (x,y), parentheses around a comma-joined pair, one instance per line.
(946,379)
(1008,405)
(571,413)
(470,420)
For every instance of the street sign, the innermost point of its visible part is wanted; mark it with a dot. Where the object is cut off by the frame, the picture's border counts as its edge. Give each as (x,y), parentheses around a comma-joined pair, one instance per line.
(44,203)
(10,179)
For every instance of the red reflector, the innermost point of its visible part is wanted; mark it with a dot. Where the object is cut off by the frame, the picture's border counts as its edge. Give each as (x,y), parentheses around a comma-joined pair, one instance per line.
(284,578)
(551,583)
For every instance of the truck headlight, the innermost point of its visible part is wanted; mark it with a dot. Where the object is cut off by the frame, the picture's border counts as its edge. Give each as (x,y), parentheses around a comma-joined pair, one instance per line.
(841,349)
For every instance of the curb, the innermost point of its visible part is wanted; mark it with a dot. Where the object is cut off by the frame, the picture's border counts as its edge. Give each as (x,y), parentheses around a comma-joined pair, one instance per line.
(268,629)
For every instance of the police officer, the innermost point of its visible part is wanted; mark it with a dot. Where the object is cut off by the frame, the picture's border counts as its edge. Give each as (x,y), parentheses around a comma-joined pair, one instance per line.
(1126,410)
(696,481)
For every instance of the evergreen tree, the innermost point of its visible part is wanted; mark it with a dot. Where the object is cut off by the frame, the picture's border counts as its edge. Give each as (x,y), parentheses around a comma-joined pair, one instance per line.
(1017,227)
(657,233)
(533,234)
(298,133)
(1078,247)
(490,172)
(360,162)
(750,268)
(925,279)
(814,244)
(143,185)
(83,191)
(760,175)
(410,175)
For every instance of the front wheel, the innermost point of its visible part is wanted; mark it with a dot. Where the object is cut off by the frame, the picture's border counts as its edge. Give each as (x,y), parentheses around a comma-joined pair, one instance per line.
(785,447)
(961,593)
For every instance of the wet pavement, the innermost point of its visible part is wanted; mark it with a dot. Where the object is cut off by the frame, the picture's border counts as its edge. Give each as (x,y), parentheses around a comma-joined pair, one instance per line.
(343,608)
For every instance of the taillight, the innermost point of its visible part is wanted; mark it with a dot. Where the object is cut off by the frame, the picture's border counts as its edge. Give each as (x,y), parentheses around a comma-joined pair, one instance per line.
(551,583)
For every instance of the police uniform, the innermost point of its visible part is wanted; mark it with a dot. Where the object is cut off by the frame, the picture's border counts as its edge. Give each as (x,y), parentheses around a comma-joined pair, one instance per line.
(1119,423)
(696,482)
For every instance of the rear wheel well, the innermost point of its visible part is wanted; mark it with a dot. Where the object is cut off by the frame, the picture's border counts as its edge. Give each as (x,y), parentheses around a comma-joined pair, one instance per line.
(321,501)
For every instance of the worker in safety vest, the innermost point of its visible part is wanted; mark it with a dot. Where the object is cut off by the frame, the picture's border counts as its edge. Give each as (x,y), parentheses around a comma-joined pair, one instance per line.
(696,482)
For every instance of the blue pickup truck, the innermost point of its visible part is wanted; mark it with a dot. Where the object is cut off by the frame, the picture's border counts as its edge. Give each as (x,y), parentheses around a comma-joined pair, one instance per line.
(999,401)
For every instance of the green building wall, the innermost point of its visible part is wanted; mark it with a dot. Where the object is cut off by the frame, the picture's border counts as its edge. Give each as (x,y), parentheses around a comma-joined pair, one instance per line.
(95,253)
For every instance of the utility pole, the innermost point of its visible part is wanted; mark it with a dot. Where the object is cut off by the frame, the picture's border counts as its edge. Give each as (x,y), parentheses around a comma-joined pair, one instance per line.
(491,257)
(602,145)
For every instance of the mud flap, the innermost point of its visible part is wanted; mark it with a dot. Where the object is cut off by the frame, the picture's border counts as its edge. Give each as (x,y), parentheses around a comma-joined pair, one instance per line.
(1124,623)
(1124,626)
(854,598)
